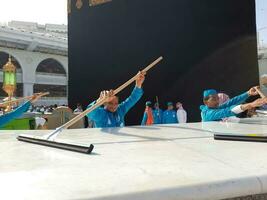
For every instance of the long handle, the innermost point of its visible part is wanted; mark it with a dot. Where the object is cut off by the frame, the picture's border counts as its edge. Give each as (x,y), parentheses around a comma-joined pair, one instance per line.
(22,99)
(260,92)
(134,78)
(102,101)
(157,100)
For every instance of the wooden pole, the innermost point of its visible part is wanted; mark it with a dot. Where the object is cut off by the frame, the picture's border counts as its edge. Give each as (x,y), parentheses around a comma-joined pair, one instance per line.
(260,92)
(22,99)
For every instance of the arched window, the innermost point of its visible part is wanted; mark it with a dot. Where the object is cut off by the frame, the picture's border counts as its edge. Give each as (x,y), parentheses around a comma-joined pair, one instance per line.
(4,58)
(50,66)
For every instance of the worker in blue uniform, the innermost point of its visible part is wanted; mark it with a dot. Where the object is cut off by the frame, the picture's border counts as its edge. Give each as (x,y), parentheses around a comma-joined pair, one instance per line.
(169,115)
(8,117)
(157,114)
(212,111)
(112,114)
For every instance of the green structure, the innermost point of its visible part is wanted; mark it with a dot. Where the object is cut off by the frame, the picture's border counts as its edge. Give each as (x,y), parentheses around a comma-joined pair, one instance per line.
(25,123)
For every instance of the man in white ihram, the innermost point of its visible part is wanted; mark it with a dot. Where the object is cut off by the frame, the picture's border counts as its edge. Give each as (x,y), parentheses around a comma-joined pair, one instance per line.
(181,113)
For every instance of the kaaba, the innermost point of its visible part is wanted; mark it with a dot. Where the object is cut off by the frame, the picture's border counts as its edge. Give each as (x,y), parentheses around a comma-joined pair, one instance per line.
(205,44)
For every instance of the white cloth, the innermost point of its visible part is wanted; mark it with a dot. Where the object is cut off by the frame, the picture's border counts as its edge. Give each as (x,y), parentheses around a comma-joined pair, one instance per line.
(237,109)
(181,115)
(78,110)
(39,121)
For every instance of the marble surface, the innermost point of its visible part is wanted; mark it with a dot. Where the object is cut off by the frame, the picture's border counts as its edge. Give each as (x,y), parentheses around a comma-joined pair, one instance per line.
(157,162)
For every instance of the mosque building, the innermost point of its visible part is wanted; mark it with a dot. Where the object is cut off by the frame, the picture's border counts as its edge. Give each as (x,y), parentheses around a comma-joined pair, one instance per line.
(40,54)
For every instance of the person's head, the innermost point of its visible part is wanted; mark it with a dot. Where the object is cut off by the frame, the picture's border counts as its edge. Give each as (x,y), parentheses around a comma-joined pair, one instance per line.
(148,104)
(210,98)
(179,105)
(223,98)
(156,105)
(169,106)
(112,105)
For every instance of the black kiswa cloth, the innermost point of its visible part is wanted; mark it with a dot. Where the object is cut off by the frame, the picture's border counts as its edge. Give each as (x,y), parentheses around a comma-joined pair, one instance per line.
(239,137)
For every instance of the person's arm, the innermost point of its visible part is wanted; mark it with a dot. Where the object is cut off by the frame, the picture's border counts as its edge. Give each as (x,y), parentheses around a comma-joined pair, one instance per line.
(217,114)
(243,107)
(241,98)
(126,105)
(257,103)
(143,123)
(185,116)
(97,114)
(4,119)
(179,116)
(136,94)
(236,100)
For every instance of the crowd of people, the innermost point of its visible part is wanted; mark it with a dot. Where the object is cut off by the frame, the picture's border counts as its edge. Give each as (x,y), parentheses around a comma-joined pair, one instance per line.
(42,109)
(157,116)
(216,107)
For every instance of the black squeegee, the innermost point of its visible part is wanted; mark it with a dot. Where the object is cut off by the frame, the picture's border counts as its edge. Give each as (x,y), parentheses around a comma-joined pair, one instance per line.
(60,145)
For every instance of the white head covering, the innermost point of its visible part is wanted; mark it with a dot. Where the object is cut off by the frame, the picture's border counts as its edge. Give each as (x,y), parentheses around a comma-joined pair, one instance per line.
(223,98)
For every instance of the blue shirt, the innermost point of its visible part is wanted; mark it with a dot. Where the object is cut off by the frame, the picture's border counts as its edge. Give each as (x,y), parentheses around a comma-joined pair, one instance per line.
(222,111)
(169,117)
(103,118)
(4,119)
(157,116)
(143,123)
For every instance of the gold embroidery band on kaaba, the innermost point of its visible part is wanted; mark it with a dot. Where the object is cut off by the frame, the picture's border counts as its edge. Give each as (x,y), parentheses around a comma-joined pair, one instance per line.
(97,2)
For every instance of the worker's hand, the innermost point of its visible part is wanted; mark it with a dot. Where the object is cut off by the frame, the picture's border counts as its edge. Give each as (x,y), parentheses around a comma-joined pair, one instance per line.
(259,102)
(107,95)
(252,91)
(140,79)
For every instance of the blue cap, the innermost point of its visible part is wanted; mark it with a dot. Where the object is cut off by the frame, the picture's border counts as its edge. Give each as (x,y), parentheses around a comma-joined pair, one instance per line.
(209,92)
(148,103)
(169,104)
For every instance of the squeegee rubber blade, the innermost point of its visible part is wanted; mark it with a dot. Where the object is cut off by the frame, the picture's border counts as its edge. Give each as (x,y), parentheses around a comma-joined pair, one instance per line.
(60,145)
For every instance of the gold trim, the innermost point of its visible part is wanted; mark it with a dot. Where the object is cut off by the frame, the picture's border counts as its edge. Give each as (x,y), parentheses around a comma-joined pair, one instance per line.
(97,2)
(9,66)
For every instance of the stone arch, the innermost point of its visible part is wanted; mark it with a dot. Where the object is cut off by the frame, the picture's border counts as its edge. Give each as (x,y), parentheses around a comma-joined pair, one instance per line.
(51,66)
(4,58)
(45,70)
